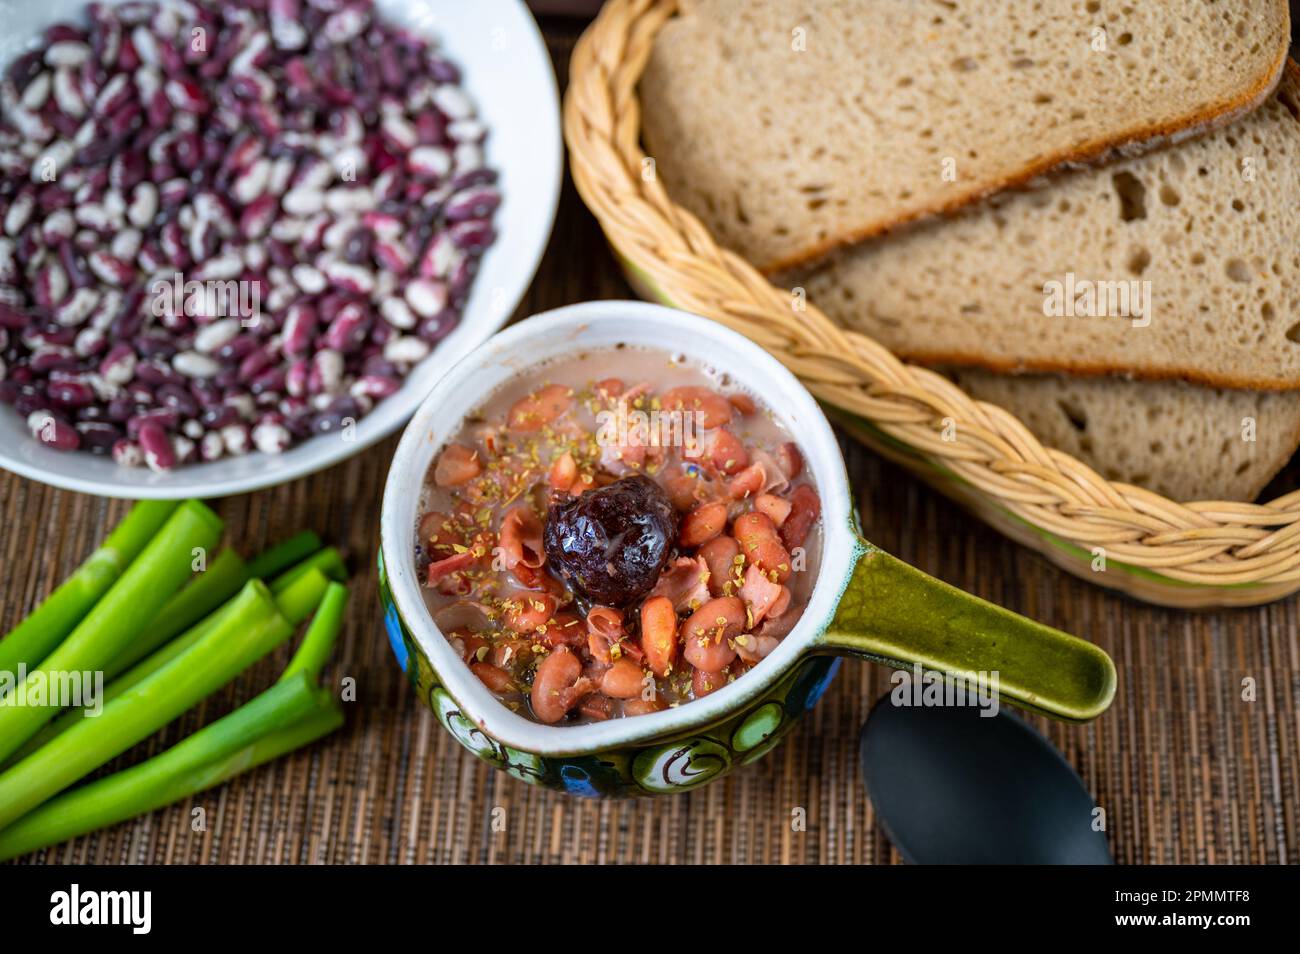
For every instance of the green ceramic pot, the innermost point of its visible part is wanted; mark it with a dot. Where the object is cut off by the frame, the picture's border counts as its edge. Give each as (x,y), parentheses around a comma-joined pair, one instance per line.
(865,603)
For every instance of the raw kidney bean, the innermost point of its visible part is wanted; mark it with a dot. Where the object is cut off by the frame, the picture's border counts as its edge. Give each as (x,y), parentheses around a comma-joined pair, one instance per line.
(98,436)
(53,431)
(70,393)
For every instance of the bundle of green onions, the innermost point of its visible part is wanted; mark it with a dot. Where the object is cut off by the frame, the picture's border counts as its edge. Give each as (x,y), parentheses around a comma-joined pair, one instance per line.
(164,638)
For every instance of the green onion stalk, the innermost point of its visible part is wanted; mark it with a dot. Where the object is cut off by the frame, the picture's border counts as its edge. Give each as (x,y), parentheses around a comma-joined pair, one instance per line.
(284,555)
(328,561)
(295,603)
(318,642)
(207,591)
(120,615)
(223,578)
(252,629)
(291,714)
(49,624)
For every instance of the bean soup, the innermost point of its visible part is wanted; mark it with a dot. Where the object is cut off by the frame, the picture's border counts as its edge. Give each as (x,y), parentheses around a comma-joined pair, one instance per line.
(616,533)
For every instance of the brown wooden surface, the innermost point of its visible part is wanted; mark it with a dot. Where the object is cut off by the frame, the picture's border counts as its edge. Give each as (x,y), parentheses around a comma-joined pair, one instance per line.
(1186,769)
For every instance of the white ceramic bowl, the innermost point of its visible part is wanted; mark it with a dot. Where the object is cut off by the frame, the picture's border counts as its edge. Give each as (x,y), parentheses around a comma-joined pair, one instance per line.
(508,73)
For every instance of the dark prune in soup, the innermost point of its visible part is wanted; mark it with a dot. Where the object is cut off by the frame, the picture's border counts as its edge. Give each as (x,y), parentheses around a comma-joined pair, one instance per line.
(610,544)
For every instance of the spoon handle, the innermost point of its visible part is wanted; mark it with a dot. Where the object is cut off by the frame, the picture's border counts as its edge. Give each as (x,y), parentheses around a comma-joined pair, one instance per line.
(893,613)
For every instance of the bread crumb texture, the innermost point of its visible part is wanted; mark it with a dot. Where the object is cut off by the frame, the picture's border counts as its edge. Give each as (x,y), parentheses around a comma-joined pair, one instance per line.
(1181,440)
(791,128)
(1207,232)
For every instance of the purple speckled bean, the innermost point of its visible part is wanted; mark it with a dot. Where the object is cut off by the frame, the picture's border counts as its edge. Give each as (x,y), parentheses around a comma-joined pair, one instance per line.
(52,357)
(475,202)
(256,218)
(14,318)
(443,71)
(297,377)
(98,436)
(30,399)
(178,398)
(300,326)
(154,372)
(120,409)
(51,286)
(327,422)
(348,329)
(376,386)
(237,438)
(127,324)
(438,327)
(178,323)
(184,449)
(71,393)
(140,393)
(53,430)
(426,297)
(271,436)
(473,235)
(212,338)
(474,177)
(156,446)
(211,446)
(127,453)
(270,381)
(218,417)
(90,343)
(382,332)
(254,364)
(54,336)
(237,349)
(164,418)
(460,280)
(206,392)
(326,374)
(152,344)
(375,364)
(392,255)
(439,257)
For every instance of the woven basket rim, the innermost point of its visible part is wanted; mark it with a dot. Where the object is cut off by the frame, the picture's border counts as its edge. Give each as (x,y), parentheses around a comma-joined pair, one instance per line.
(1212,542)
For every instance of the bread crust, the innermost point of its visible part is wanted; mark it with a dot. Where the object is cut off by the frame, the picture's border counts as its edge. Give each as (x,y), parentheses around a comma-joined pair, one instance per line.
(1135,370)
(1092,370)
(1129,143)
(1012,392)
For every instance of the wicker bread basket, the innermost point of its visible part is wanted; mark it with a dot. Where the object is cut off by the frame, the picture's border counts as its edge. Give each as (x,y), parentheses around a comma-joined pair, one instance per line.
(1198,554)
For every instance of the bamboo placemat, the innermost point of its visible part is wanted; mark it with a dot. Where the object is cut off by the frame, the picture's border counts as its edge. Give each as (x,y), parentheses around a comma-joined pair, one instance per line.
(1187,770)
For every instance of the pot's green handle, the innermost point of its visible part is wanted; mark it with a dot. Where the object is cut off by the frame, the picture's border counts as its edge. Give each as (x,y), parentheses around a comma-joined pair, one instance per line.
(893,613)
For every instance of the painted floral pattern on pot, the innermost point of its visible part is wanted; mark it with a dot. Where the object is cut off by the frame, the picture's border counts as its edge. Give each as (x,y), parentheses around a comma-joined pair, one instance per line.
(673,764)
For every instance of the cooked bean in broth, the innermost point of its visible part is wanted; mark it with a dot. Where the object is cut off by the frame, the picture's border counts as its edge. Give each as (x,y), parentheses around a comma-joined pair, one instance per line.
(617,533)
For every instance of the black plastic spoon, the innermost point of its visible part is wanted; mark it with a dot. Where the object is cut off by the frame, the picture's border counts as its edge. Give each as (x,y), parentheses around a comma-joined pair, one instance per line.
(954,787)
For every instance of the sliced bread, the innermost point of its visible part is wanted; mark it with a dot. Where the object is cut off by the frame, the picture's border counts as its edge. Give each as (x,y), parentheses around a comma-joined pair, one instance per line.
(794,128)
(1181,440)
(1205,235)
